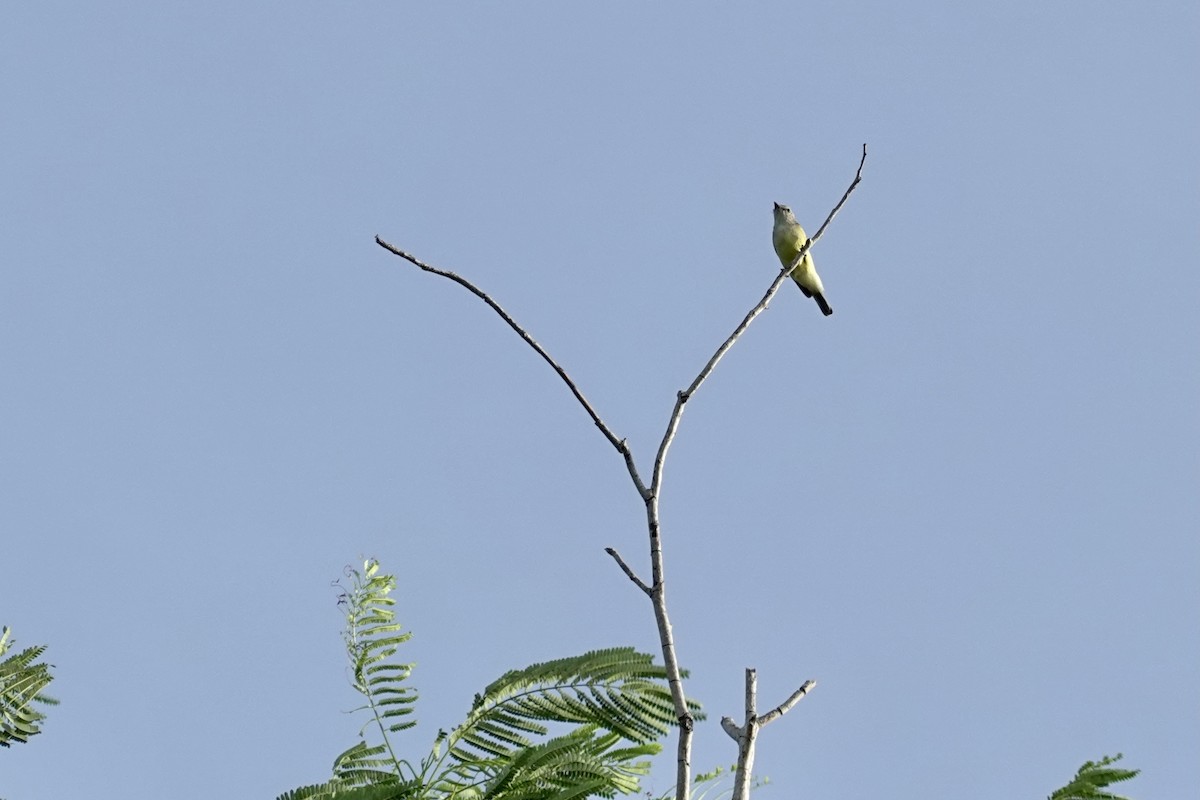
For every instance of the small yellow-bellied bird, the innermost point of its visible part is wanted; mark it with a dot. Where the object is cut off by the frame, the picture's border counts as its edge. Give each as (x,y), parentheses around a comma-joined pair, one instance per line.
(788,237)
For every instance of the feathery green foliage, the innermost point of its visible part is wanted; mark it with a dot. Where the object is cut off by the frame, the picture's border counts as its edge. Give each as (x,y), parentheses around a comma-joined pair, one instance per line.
(334,790)
(611,695)
(1092,777)
(608,708)
(372,636)
(21,684)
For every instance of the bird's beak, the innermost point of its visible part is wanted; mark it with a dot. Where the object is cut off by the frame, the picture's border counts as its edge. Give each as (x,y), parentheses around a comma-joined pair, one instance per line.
(777,206)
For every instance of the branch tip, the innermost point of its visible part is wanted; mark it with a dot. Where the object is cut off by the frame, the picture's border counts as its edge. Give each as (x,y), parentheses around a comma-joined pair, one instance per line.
(629,573)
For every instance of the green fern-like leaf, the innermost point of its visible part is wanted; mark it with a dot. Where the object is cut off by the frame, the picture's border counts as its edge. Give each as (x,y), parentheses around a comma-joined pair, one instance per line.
(618,690)
(582,763)
(1092,777)
(373,637)
(21,683)
(363,764)
(335,790)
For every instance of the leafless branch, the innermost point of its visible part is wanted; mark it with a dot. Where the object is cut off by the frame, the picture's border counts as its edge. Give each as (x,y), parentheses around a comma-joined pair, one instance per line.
(853,184)
(625,568)
(620,444)
(746,740)
(786,705)
(746,735)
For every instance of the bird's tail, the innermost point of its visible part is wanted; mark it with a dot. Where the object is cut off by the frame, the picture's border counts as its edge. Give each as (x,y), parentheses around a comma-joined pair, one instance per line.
(820,298)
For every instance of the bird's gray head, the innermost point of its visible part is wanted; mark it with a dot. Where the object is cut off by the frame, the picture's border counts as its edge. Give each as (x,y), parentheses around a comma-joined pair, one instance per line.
(782,212)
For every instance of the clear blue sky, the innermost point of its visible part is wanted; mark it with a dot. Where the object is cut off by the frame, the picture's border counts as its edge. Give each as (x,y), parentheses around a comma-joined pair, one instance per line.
(965,503)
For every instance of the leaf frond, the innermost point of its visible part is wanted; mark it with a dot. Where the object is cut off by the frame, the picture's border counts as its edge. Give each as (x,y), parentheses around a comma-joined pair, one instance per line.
(22,679)
(1092,777)
(617,689)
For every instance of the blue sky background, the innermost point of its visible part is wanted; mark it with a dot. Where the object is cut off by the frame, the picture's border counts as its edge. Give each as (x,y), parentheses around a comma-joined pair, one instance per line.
(966,503)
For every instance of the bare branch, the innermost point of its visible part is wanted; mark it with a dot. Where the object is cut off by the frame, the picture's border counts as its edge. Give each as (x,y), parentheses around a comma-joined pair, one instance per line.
(685,395)
(626,569)
(746,736)
(620,444)
(786,705)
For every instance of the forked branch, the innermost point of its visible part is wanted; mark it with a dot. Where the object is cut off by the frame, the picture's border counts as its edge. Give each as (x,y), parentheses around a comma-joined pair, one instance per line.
(746,735)
(650,495)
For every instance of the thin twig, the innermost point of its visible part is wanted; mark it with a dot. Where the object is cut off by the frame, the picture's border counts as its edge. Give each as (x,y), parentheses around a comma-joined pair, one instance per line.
(857,180)
(620,444)
(627,570)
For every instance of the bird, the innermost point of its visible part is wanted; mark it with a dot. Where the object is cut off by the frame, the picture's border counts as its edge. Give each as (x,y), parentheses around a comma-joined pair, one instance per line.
(788,238)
